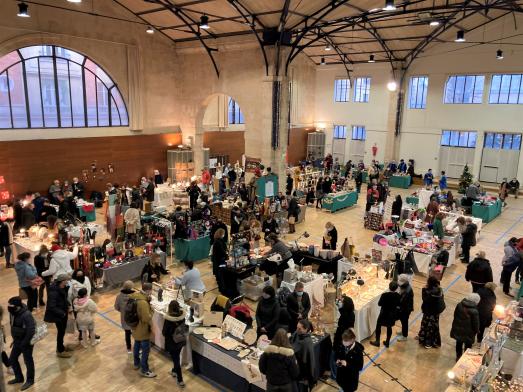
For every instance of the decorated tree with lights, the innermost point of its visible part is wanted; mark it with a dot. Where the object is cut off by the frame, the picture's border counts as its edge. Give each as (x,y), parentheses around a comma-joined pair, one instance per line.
(465,180)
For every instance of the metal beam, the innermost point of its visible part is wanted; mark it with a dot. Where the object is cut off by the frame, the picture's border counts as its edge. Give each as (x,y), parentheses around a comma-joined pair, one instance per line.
(281,29)
(189,3)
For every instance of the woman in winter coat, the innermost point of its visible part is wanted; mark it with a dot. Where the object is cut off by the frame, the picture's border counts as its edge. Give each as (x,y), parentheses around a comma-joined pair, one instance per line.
(284,318)
(279,364)
(432,306)
(119,305)
(319,192)
(153,269)
(389,303)
(174,337)
(406,305)
(85,309)
(349,362)
(396,206)
(219,258)
(60,261)
(330,237)
(132,220)
(465,325)
(437,226)
(79,281)
(6,241)
(303,348)
(41,263)
(486,306)
(511,261)
(267,313)
(26,273)
(346,320)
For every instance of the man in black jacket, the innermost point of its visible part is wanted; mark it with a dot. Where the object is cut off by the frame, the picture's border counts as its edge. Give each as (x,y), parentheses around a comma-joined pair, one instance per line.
(298,306)
(57,311)
(479,272)
(468,238)
(23,328)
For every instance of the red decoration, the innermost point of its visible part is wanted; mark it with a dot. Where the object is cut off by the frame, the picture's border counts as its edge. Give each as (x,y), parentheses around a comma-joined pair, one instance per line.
(2,180)
(4,195)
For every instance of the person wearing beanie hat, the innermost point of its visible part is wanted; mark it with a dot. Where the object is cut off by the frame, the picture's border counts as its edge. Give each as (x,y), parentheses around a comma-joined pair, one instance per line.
(479,271)
(465,325)
(57,311)
(486,307)
(406,305)
(23,327)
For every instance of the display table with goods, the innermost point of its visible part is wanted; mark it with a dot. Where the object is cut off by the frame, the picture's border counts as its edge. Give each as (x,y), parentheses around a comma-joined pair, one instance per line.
(364,282)
(326,260)
(30,245)
(163,196)
(86,210)
(339,200)
(422,245)
(231,361)
(305,179)
(120,269)
(312,284)
(399,181)
(197,245)
(487,209)
(412,200)
(451,226)
(180,196)
(222,210)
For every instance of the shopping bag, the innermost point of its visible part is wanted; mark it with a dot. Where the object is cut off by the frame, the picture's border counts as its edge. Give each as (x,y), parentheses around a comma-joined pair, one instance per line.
(40,333)
(71,326)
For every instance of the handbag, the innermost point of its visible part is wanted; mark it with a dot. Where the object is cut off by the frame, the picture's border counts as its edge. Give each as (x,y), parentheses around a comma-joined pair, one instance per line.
(180,333)
(71,326)
(36,282)
(40,333)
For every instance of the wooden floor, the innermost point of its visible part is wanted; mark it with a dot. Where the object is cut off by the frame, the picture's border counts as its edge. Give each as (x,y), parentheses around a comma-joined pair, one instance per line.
(107,366)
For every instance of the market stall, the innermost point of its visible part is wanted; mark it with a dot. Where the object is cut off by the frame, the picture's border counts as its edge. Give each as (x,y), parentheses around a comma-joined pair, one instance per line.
(326,264)
(163,196)
(86,210)
(128,269)
(487,210)
(399,181)
(312,285)
(192,250)
(339,200)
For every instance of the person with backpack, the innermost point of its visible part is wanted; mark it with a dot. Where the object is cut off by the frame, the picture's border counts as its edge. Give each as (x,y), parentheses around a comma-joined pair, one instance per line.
(57,312)
(138,315)
(175,332)
(23,328)
(432,306)
(465,325)
(389,312)
(85,309)
(119,305)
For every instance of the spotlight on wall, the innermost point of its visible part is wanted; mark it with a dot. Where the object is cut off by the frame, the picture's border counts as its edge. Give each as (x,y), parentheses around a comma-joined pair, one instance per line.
(322,61)
(499,54)
(392,86)
(204,22)
(389,5)
(23,10)
(371,59)
(460,36)
(149,30)
(434,23)
(328,47)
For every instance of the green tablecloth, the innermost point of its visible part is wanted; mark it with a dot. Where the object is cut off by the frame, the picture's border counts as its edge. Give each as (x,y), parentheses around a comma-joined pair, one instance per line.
(364,175)
(334,203)
(399,182)
(486,212)
(192,250)
(412,200)
(90,216)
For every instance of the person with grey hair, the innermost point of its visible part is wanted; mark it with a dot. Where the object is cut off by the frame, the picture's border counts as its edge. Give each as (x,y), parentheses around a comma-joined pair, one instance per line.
(119,305)
(406,305)
(465,325)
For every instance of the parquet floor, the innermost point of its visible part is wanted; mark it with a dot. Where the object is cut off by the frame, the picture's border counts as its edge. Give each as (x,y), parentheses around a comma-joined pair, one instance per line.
(108,368)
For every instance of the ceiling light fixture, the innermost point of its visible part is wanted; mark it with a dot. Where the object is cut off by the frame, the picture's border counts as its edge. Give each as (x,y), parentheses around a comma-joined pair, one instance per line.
(371,59)
(460,36)
(149,30)
(392,86)
(74,1)
(204,22)
(499,54)
(23,10)
(389,5)
(322,61)
(434,23)
(328,47)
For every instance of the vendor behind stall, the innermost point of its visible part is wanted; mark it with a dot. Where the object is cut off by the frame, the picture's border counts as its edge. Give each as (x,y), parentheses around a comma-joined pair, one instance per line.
(330,237)
(278,247)
(190,280)
(153,270)
(269,227)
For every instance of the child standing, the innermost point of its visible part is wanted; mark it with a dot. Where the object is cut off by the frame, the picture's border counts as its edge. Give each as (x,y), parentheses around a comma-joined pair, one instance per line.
(85,308)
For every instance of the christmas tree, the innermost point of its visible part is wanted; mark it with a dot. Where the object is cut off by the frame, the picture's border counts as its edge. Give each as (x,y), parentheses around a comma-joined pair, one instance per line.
(465,180)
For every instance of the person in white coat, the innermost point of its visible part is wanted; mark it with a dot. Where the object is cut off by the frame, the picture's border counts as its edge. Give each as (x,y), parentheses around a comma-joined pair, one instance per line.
(132,220)
(60,261)
(78,282)
(85,309)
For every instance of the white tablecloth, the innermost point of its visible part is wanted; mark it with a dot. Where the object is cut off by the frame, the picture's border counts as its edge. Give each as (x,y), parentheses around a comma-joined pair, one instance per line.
(21,245)
(452,216)
(422,259)
(313,288)
(366,316)
(424,197)
(512,362)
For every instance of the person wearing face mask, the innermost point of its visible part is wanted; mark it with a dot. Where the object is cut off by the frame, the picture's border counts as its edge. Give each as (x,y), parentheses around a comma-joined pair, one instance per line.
(298,306)
(345,321)
(142,331)
(303,348)
(23,327)
(330,237)
(389,303)
(406,305)
(190,280)
(267,313)
(349,362)
(41,263)
(57,312)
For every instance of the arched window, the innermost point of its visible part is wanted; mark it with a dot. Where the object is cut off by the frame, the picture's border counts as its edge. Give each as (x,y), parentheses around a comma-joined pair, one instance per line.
(48,86)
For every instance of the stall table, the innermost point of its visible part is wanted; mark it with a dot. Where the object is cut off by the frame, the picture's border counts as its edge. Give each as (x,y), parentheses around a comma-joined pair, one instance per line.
(324,265)
(412,200)
(25,244)
(424,196)
(314,288)
(399,182)
(487,213)
(233,276)
(224,367)
(337,201)
(192,250)
(512,357)
(87,210)
(117,274)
